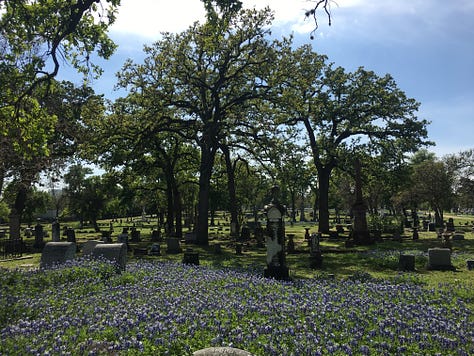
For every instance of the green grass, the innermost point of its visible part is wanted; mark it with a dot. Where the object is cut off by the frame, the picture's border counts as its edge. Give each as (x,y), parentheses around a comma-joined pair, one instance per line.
(380,259)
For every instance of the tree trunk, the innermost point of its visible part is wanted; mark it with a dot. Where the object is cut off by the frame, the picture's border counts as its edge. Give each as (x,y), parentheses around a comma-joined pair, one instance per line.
(178,208)
(205,171)
(17,211)
(324,174)
(233,204)
(169,228)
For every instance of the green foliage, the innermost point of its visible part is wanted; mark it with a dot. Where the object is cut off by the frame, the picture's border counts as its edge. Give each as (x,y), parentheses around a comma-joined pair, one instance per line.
(4,211)
(385,223)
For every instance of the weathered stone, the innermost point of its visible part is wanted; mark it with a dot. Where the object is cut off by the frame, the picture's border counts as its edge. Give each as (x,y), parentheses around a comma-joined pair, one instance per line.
(406,262)
(155,250)
(116,253)
(439,259)
(172,245)
(470,265)
(190,257)
(55,253)
(458,237)
(221,351)
(89,246)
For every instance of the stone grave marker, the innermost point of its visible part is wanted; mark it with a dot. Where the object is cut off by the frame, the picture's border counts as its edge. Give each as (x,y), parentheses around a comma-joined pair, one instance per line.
(221,351)
(134,235)
(406,262)
(155,236)
(217,249)
(450,225)
(89,246)
(172,245)
(56,231)
(123,237)
(70,235)
(116,253)
(190,257)
(155,250)
(57,253)
(458,236)
(439,259)
(39,235)
(470,265)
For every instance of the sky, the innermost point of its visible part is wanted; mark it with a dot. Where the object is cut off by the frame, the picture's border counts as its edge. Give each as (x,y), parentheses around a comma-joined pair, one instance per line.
(426,45)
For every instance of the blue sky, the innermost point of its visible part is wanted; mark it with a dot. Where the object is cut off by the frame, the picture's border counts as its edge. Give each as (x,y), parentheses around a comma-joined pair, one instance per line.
(426,45)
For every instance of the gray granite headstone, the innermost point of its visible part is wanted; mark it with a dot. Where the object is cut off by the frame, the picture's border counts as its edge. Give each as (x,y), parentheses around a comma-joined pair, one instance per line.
(89,246)
(406,262)
(458,236)
(221,351)
(116,253)
(172,245)
(439,258)
(56,253)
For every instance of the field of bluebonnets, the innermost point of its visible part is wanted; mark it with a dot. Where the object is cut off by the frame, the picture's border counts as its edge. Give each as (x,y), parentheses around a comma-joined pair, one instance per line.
(167,308)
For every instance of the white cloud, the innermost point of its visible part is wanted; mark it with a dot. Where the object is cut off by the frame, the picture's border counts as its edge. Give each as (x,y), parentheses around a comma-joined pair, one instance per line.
(148,18)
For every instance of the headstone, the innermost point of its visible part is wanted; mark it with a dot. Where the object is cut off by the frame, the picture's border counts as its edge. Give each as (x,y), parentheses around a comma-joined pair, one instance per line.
(140,251)
(439,259)
(190,257)
(415,235)
(70,235)
(14,224)
(106,236)
(450,225)
(306,234)
(57,253)
(431,226)
(172,245)
(470,265)
(458,237)
(39,235)
(123,237)
(135,235)
(217,249)
(116,253)
(221,351)
(425,224)
(89,246)
(276,259)
(155,250)
(406,262)
(291,243)
(316,257)
(155,236)
(56,231)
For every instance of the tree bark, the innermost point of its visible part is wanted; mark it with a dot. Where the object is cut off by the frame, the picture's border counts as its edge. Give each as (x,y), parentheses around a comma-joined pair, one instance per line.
(178,208)
(324,174)
(205,172)
(233,204)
